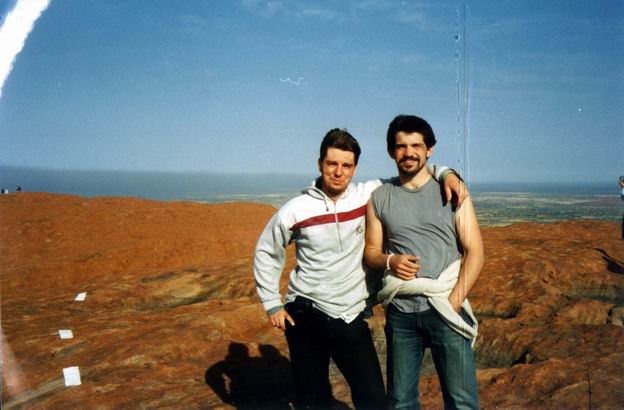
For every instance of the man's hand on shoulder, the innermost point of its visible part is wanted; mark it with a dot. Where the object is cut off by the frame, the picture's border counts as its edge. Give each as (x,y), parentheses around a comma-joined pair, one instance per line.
(455,189)
(404,266)
(279,318)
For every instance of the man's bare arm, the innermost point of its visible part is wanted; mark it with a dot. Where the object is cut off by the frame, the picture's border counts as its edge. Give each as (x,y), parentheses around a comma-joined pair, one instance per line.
(404,266)
(470,238)
(455,189)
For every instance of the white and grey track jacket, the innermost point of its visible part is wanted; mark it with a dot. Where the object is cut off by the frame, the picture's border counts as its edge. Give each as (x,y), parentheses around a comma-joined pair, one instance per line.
(329,239)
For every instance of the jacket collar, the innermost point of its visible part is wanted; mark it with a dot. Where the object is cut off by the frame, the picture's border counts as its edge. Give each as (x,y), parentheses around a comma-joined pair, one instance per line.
(315,191)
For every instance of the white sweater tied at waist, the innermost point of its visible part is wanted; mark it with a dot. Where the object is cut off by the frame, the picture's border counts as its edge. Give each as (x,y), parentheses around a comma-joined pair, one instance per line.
(437,292)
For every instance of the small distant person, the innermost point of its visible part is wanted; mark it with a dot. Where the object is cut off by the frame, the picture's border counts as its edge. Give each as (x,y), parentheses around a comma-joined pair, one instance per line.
(323,316)
(433,254)
(18,189)
(621,181)
(5,191)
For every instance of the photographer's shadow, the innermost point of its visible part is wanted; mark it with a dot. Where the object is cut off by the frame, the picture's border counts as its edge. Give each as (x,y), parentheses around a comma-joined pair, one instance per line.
(252,382)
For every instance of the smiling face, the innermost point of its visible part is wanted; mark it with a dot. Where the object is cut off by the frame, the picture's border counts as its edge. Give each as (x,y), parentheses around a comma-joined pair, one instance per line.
(337,169)
(410,153)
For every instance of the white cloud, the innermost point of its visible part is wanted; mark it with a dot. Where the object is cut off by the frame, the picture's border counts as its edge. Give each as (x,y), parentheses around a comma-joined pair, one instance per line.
(320,13)
(194,25)
(413,59)
(374,5)
(410,17)
(419,15)
(13,33)
(295,8)
(267,8)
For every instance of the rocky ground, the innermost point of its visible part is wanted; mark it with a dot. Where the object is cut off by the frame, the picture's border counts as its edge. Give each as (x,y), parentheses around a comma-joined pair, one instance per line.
(171,319)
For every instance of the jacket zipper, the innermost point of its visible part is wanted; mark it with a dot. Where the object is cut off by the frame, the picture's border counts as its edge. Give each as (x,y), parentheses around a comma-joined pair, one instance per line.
(335,218)
(338,227)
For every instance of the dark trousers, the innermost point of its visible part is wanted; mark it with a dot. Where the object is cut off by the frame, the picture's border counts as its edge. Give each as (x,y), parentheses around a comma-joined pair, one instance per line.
(314,339)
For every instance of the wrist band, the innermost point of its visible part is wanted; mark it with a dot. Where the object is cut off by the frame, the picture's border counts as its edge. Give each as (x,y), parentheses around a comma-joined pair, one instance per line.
(388,261)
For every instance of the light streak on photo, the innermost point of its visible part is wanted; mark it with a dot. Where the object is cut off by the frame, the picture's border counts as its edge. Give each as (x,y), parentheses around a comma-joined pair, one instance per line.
(18,24)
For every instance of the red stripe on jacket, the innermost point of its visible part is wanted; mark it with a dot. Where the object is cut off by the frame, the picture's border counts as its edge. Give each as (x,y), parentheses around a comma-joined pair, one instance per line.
(329,218)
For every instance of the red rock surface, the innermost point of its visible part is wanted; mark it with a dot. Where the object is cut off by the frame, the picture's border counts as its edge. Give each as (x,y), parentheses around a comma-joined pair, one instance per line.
(171,318)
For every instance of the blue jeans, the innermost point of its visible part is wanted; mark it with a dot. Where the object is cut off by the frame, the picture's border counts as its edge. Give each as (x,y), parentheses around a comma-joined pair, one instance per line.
(408,334)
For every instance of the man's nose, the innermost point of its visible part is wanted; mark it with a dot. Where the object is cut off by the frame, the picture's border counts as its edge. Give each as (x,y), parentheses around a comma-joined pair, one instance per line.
(339,170)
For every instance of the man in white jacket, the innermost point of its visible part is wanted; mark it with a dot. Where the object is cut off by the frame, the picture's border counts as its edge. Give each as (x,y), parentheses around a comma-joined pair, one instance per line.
(327,291)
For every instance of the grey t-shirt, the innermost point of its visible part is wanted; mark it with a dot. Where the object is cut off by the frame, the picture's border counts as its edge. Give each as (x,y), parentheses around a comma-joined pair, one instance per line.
(417,223)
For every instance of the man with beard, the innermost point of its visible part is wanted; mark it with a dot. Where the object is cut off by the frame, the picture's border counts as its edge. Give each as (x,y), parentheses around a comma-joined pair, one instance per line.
(323,316)
(410,231)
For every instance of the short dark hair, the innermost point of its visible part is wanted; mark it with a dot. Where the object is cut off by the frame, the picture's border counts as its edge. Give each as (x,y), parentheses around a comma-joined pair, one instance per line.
(409,124)
(341,139)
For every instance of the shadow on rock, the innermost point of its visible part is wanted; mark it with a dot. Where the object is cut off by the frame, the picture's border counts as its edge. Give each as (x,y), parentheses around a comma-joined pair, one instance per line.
(613,265)
(252,382)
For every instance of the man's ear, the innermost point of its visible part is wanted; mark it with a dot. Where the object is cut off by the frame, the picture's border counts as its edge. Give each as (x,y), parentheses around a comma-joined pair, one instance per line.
(320,165)
(429,152)
(391,153)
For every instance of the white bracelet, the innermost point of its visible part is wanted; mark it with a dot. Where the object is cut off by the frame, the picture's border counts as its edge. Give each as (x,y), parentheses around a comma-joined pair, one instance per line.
(388,261)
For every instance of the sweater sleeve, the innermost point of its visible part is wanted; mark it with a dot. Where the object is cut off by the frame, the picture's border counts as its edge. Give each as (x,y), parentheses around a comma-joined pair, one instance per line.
(436,171)
(439,172)
(269,258)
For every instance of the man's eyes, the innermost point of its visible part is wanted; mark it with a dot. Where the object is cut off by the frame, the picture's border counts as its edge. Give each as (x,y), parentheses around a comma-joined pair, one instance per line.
(335,164)
(401,147)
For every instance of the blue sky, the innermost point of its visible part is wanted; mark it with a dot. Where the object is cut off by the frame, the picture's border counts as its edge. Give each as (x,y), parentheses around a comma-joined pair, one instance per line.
(518,91)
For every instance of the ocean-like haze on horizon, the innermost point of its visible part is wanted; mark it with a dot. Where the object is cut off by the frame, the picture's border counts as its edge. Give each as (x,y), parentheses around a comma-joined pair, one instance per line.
(496,203)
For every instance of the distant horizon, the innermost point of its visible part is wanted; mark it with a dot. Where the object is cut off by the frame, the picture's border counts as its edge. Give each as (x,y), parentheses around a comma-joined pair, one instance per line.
(496,202)
(308,177)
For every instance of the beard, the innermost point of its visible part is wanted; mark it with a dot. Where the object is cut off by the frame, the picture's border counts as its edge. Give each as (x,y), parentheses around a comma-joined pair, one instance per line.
(411,171)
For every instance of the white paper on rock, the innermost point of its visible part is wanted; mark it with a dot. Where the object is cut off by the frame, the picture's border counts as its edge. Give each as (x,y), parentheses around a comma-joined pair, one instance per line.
(66,334)
(72,376)
(81,296)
